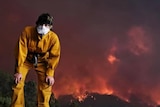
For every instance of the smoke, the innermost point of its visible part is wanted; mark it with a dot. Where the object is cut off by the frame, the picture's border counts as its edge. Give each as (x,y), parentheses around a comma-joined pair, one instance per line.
(108,47)
(124,69)
(134,66)
(114,52)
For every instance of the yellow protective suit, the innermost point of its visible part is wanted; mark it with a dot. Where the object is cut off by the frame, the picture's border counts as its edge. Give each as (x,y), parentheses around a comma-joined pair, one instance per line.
(47,47)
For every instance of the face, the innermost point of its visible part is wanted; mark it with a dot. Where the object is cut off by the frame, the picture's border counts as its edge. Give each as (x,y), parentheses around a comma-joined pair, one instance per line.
(43,28)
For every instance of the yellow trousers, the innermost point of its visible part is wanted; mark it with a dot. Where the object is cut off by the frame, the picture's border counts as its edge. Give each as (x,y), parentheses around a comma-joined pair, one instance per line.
(44,90)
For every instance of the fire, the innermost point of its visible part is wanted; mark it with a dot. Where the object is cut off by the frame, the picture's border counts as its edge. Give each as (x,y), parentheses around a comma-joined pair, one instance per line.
(81,97)
(81,90)
(111,59)
(128,69)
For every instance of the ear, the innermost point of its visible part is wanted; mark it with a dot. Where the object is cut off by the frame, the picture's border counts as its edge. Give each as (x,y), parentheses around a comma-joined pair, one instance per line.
(50,26)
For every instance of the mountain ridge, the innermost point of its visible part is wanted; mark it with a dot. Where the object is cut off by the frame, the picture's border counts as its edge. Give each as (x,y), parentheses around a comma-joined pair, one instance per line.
(101,100)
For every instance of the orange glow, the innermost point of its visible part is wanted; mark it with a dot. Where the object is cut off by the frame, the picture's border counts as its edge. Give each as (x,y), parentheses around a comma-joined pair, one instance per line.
(139,42)
(81,97)
(111,59)
(120,76)
(80,90)
(111,56)
(158,102)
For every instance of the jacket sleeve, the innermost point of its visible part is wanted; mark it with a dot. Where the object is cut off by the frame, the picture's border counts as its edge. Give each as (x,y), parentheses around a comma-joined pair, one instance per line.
(54,56)
(21,52)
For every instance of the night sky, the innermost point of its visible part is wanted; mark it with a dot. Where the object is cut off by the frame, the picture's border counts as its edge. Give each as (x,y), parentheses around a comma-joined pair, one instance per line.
(108,46)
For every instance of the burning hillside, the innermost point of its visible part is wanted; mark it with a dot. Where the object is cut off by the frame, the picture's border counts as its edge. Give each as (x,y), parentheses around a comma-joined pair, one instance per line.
(123,69)
(98,100)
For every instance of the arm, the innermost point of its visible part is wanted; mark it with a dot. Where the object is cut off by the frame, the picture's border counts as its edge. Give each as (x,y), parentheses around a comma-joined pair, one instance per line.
(54,56)
(21,52)
(20,56)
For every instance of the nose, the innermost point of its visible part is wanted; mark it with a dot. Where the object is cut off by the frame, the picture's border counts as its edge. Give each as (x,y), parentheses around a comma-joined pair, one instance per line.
(43,25)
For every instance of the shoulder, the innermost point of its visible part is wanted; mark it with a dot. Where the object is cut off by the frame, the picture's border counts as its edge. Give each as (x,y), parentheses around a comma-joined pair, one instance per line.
(53,35)
(29,28)
(28,31)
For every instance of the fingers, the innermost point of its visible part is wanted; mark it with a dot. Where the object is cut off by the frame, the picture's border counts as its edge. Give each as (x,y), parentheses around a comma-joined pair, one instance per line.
(46,80)
(17,80)
(17,77)
(50,80)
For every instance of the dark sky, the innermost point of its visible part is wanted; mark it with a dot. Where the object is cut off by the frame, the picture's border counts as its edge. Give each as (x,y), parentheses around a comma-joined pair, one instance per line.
(108,46)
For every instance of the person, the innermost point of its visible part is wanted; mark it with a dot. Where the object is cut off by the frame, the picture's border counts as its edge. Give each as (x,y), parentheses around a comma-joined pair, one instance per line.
(38,48)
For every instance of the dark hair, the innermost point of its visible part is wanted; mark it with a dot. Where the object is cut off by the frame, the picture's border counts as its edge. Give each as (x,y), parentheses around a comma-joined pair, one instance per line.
(44,18)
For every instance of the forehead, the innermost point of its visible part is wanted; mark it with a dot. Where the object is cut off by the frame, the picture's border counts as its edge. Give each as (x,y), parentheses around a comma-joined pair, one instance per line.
(44,24)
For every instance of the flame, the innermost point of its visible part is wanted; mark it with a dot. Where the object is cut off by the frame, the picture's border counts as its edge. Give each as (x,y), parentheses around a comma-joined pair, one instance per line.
(81,91)
(81,97)
(121,76)
(111,59)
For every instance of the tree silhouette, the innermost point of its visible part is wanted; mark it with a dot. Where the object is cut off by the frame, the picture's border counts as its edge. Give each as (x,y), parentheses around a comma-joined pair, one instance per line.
(74,104)
(54,102)
(6,82)
(30,94)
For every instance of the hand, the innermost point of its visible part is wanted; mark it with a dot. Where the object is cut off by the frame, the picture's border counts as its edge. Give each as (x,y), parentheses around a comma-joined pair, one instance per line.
(50,80)
(17,77)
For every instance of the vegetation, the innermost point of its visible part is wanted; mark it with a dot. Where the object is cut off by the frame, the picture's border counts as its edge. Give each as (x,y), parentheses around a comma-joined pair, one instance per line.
(6,82)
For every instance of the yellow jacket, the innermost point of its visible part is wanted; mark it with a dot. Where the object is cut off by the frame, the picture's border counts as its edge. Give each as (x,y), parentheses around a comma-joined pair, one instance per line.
(30,42)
